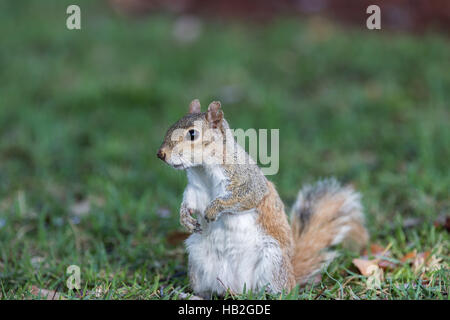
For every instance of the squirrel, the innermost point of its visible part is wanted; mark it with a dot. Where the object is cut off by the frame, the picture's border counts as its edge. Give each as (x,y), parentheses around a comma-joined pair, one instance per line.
(240,235)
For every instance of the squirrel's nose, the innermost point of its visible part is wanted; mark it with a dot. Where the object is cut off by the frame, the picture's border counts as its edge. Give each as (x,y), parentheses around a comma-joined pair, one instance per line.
(161,154)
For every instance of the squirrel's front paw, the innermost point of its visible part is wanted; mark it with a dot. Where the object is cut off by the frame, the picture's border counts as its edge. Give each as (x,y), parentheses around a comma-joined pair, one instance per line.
(210,214)
(188,221)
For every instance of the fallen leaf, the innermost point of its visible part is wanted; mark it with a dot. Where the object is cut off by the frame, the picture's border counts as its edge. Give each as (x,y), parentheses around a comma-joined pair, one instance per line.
(420,260)
(365,266)
(434,263)
(45,294)
(371,270)
(424,261)
(176,237)
(409,256)
(385,264)
(375,249)
(381,254)
(443,221)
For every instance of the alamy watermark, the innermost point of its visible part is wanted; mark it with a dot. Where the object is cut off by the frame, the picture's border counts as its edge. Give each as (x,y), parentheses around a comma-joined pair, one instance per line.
(374,20)
(210,147)
(73,21)
(74,280)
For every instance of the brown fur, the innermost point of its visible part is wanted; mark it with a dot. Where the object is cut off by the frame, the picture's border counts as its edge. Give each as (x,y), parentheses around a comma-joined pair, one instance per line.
(273,220)
(304,246)
(311,240)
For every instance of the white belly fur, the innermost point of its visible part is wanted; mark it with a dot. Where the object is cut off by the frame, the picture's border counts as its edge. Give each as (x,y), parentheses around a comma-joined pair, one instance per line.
(235,250)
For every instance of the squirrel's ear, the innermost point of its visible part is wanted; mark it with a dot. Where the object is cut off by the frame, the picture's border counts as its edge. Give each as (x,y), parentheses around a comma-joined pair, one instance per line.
(195,107)
(214,114)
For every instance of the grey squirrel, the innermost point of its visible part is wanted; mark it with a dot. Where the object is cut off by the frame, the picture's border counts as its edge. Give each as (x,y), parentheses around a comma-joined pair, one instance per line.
(241,237)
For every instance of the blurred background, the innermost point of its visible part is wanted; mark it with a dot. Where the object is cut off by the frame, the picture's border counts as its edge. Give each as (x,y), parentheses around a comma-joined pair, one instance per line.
(83,112)
(408,15)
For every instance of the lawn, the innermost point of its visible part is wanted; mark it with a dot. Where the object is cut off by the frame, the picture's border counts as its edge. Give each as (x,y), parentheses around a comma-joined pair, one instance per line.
(82,114)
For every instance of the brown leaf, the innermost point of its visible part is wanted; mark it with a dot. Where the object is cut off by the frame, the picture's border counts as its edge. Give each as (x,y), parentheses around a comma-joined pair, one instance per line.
(409,256)
(423,261)
(45,294)
(365,266)
(176,237)
(375,249)
(443,221)
(370,269)
(381,254)
(386,264)
(420,260)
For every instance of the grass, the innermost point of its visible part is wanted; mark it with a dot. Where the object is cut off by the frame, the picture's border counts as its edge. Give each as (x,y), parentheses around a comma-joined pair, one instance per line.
(82,114)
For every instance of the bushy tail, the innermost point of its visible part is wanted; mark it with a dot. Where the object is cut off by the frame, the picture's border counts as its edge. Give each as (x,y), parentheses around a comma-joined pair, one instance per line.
(324,215)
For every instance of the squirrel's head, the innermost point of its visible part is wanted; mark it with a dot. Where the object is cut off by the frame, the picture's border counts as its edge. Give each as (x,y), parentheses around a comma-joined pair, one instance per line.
(195,139)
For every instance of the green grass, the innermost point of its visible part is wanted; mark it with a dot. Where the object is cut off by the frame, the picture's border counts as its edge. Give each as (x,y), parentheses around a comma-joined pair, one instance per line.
(82,114)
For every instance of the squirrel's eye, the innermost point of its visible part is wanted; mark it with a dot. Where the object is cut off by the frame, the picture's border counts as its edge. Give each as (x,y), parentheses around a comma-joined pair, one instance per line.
(192,135)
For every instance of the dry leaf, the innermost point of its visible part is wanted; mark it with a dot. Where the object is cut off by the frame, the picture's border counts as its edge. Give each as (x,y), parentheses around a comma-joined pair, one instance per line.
(45,294)
(423,261)
(176,237)
(385,264)
(443,221)
(409,256)
(365,266)
(419,261)
(434,263)
(375,249)
(381,254)
(370,269)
